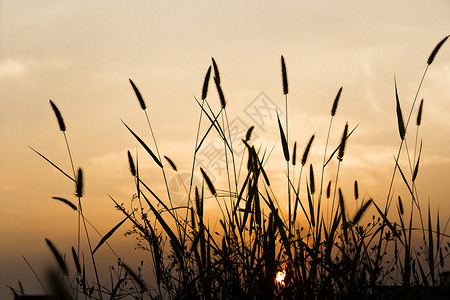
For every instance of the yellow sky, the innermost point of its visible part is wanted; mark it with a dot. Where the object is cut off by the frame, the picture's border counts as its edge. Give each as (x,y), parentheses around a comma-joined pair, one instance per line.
(80,54)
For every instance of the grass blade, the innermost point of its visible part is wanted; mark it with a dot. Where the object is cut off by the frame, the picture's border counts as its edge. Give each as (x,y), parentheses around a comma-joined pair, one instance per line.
(50,162)
(430,246)
(416,168)
(144,145)
(108,235)
(283,141)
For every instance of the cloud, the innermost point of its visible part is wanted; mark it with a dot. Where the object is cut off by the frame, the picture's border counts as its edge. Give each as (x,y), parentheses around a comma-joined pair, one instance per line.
(11,67)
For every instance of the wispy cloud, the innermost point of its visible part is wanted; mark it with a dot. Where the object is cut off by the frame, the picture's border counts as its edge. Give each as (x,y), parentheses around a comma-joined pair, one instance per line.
(12,67)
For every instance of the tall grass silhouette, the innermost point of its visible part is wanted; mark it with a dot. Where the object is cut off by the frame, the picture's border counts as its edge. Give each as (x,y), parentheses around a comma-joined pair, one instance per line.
(321,253)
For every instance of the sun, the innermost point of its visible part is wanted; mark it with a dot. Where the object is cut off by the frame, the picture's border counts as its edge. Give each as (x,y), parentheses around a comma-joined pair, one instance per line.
(279,277)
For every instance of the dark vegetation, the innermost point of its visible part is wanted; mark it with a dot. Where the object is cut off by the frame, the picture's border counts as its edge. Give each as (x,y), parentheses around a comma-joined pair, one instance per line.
(324,253)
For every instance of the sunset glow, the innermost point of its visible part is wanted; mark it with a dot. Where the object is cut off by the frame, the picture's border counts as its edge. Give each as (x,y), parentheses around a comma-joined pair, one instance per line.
(280,277)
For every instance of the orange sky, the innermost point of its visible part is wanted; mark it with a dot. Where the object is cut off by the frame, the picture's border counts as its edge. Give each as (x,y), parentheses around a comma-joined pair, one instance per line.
(80,54)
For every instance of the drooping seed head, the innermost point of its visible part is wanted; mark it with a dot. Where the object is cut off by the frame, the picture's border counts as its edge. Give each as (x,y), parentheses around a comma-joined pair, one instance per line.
(59,259)
(436,49)
(171,163)
(70,204)
(62,125)
(138,95)
(335,102)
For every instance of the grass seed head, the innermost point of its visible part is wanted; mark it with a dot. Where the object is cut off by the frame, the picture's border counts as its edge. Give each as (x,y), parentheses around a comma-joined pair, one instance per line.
(435,50)
(284,76)
(223,103)
(171,163)
(62,125)
(312,184)
(206,83)
(131,163)
(400,205)
(248,135)
(335,102)
(216,69)
(209,183)
(67,202)
(307,150)
(356,190)
(59,259)
(343,143)
(401,123)
(419,114)
(79,183)
(138,95)
(294,154)
(329,189)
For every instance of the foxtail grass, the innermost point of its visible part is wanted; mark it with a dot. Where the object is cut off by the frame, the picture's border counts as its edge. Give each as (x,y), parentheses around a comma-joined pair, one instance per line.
(325,254)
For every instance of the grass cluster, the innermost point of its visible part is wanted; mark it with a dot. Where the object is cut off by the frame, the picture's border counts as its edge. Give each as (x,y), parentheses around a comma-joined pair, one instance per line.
(308,246)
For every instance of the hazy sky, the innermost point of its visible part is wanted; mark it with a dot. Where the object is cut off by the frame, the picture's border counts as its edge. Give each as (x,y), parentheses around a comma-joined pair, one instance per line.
(81,54)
